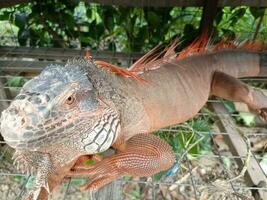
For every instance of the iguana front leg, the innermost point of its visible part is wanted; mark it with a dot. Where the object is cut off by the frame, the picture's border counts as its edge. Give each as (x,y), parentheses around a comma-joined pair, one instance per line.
(141,155)
(230,88)
(38,164)
(57,176)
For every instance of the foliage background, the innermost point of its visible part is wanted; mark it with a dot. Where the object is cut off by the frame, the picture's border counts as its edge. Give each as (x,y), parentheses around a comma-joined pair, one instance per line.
(57,23)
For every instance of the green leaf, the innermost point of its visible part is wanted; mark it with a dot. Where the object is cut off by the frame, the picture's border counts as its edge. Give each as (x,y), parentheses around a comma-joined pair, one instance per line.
(230,106)
(89,162)
(227,162)
(78,181)
(136,192)
(127,178)
(16,82)
(237,14)
(5,16)
(248,118)
(157,177)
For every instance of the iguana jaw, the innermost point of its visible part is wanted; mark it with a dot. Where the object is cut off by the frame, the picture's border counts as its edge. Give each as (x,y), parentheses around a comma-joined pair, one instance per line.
(24,130)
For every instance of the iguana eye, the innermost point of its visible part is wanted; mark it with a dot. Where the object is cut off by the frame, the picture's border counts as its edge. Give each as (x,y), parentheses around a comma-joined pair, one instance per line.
(70,100)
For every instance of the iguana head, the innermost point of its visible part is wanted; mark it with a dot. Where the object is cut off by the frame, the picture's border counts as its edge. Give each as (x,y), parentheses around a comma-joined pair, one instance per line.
(52,107)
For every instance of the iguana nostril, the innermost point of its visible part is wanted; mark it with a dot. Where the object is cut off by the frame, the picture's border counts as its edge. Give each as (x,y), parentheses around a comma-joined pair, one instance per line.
(23,121)
(21,97)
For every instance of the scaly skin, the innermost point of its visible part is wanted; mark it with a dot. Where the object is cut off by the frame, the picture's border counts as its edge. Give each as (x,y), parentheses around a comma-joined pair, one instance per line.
(81,109)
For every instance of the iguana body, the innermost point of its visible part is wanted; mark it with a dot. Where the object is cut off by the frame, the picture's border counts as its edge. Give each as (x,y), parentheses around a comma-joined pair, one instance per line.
(81,109)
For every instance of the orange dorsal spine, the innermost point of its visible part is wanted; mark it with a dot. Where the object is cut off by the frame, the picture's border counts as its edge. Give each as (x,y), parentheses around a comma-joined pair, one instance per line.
(118,70)
(156,56)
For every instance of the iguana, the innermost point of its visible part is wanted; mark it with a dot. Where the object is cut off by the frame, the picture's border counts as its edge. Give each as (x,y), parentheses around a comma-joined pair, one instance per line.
(87,106)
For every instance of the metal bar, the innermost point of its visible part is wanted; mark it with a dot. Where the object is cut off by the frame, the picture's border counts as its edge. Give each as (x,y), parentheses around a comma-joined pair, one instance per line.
(237,185)
(192,177)
(67,189)
(25,66)
(219,156)
(57,53)
(254,79)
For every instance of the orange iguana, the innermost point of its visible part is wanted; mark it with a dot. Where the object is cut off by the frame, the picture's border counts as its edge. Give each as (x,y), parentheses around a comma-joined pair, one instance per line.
(83,109)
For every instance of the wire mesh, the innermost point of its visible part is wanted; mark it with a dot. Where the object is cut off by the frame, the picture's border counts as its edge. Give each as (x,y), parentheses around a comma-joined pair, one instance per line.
(193,186)
(26,62)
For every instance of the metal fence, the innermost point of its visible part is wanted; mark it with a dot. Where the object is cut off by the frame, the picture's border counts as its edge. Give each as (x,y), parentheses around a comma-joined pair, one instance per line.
(193,180)
(231,169)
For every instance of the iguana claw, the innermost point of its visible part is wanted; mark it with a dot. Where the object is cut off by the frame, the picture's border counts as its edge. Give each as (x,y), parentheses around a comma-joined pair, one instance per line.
(46,187)
(34,192)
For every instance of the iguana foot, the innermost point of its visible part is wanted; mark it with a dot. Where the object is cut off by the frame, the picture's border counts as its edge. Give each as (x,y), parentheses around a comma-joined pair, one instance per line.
(97,183)
(100,174)
(263,114)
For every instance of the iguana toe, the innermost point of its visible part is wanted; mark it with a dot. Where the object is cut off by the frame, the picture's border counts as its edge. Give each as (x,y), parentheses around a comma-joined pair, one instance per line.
(263,113)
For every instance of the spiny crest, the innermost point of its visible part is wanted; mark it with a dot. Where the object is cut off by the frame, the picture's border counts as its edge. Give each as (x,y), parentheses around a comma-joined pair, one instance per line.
(83,63)
(200,45)
(204,44)
(87,63)
(154,57)
(118,70)
(158,55)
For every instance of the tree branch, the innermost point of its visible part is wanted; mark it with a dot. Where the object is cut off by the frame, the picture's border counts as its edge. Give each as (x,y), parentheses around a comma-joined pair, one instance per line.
(58,40)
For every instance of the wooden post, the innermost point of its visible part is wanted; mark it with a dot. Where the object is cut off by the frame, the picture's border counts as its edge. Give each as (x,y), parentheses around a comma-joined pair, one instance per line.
(112,191)
(254,175)
(208,16)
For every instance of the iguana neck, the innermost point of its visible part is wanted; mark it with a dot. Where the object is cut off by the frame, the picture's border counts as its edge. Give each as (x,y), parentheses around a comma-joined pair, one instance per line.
(120,91)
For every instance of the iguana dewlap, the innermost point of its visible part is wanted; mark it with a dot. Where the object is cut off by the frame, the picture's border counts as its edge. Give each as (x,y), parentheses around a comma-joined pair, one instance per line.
(81,108)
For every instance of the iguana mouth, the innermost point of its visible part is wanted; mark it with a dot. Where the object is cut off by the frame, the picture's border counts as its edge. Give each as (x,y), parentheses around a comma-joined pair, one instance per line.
(26,133)
(33,139)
